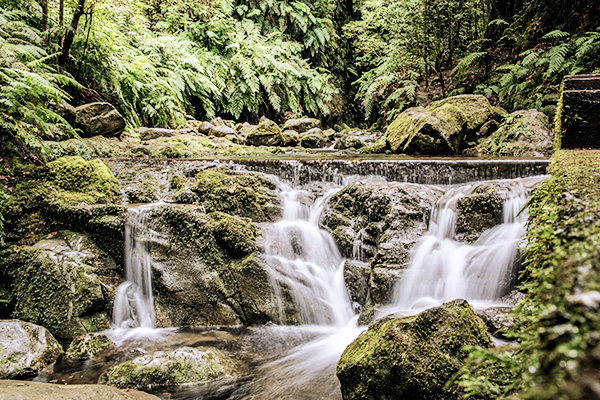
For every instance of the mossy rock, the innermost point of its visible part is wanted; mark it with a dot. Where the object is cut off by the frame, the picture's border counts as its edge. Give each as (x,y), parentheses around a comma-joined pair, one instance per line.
(184,365)
(348,142)
(94,147)
(72,181)
(301,125)
(65,284)
(523,134)
(86,347)
(475,107)
(313,140)
(266,133)
(480,211)
(243,194)
(412,357)
(436,131)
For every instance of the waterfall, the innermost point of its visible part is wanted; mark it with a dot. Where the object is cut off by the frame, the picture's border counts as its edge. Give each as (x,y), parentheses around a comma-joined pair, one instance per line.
(304,263)
(442,269)
(134,303)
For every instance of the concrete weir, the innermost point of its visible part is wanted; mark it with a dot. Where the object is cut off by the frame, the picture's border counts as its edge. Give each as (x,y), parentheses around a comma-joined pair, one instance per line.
(423,171)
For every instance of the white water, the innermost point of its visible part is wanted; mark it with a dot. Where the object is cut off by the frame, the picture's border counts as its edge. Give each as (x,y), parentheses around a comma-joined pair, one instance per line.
(303,261)
(442,269)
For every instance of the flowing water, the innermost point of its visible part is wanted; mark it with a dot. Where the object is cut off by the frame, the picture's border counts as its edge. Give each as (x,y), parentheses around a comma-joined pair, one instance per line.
(306,272)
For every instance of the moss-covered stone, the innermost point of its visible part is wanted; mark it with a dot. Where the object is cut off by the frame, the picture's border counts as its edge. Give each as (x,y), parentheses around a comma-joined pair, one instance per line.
(266,133)
(184,365)
(86,347)
(478,212)
(94,147)
(475,107)
(412,357)
(72,180)
(439,130)
(64,284)
(244,194)
(302,125)
(523,134)
(313,139)
(348,142)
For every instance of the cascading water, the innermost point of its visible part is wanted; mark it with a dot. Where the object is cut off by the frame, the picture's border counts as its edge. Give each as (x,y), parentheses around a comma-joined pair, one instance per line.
(134,303)
(442,269)
(304,261)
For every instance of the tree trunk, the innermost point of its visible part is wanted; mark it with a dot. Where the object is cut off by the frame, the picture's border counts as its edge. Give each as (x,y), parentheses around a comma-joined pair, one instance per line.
(61,12)
(44,4)
(70,35)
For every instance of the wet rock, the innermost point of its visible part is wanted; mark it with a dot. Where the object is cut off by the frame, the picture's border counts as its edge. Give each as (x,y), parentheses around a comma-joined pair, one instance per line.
(243,194)
(205,127)
(382,286)
(25,349)
(99,119)
(348,142)
(66,284)
(478,212)
(244,128)
(412,357)
(301,125)
(184,365)
(266,133)
(437,131)
(86,347)
(45,391)
(205,268)
(498,320)
(523,134)
(356,278)
(313,139)
(221,131)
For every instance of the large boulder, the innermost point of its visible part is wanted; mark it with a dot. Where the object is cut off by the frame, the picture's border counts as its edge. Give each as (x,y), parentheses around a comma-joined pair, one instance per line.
(348,142)
(475,107)
(301,125)
(523,134)
(266,133)
(44,391)
(437,131)
(206,269)
(313,139)
(412,357)
(183,365)
(65,283)
(99,119)
(25,349)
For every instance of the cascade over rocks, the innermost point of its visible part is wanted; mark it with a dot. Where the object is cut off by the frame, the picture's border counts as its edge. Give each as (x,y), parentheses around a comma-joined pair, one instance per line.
(205,268)
(99,119)
(183,365)
(379,224)
(25,349)
(479,212)
(412,357)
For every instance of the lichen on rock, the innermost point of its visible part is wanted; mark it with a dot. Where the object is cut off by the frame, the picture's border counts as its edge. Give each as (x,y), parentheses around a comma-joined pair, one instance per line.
(412,357)
(183,365)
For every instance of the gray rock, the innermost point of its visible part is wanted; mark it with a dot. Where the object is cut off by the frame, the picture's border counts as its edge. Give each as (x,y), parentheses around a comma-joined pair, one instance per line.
(205,127)
(497,319)
(25,349)
(154,133)
(99,119)
(301,125)
(313,139)
(348,142)
(221,131)
(183,365)
(290,138)
(356,278)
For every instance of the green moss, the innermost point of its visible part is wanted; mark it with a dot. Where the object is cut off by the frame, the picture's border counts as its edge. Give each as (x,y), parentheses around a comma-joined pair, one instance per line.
(87,346)
(184,365)
(243,194)
(559,324)
(558,131)
(234,235)
(411,357)
(95,147)
(178,182)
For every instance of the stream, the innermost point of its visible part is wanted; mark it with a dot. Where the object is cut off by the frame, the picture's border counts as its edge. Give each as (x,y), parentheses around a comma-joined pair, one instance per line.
(297,358)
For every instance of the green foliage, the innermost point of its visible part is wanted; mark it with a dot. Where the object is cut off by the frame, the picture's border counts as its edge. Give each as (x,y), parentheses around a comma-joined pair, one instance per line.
(559,323)
(29,84)
(523,81)
(400,46)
